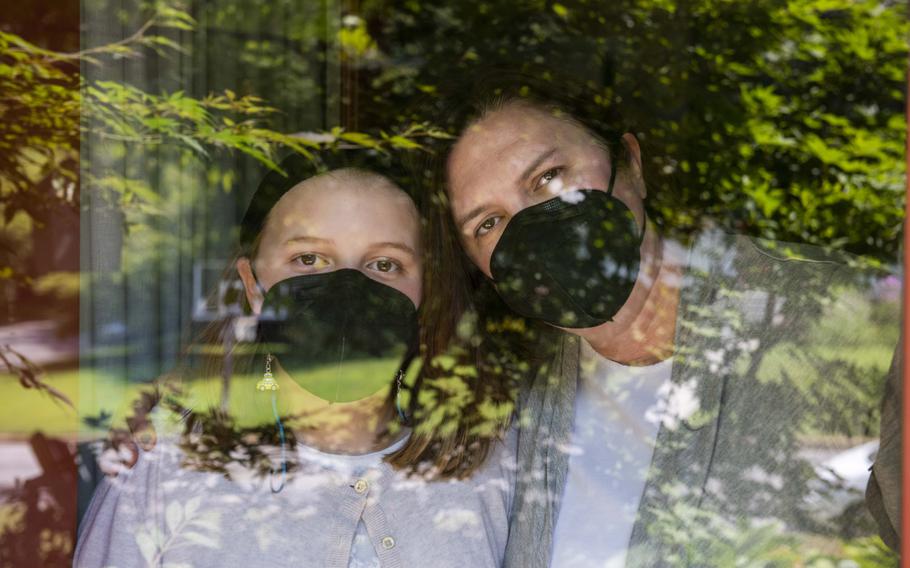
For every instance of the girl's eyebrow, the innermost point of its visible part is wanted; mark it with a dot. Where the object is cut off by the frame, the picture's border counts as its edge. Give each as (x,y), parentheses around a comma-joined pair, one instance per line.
(395,245)
(308,239)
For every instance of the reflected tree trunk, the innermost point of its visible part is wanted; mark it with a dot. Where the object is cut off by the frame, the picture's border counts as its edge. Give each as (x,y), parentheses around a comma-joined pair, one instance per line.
(227,370)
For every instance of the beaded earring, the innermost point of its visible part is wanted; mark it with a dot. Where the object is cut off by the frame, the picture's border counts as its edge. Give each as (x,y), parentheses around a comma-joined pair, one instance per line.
(269,384)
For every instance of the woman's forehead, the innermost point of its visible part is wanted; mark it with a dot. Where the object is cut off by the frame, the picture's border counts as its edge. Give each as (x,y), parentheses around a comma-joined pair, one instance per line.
(510,128)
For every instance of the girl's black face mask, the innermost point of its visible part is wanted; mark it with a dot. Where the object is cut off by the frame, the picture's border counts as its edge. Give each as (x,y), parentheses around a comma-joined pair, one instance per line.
(571,261)
(340,335)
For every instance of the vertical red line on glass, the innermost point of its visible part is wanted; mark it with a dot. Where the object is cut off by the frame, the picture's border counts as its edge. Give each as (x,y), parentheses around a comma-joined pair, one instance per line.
(905,402)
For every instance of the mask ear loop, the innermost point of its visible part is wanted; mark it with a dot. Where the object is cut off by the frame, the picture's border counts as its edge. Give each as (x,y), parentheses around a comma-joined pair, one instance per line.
(401,413)
(259,288)
(284,461)
(403,416)
(613,168)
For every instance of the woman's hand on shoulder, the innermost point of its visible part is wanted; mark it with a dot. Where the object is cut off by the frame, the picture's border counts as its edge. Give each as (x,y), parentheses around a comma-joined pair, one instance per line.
(123,451)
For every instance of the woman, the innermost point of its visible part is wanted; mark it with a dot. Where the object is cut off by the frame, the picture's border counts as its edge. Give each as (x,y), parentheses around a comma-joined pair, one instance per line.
(331,268)
(673,373)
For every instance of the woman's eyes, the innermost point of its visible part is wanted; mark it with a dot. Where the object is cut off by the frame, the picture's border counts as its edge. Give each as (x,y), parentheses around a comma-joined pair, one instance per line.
(547,177)
(490,223)
(487,225)
(385,265)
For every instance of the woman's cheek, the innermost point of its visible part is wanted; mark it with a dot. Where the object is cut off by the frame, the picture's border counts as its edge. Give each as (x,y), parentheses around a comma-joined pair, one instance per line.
(482,261)
(588,180)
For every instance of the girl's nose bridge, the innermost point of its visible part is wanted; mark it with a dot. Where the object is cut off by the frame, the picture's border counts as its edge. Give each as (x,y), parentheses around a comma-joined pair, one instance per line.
(348,255)
(347,261)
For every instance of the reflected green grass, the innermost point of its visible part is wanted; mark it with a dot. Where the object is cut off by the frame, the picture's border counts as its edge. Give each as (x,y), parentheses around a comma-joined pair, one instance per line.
(95,392)
(250,407)
(31,410)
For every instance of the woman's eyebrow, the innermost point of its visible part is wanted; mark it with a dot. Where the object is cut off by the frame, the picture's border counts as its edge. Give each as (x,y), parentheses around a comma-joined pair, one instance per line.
(529,171)
(470,215)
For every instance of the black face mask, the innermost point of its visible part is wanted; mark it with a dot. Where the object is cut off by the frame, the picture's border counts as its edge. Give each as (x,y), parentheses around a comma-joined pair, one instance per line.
(570,261)
(340,335)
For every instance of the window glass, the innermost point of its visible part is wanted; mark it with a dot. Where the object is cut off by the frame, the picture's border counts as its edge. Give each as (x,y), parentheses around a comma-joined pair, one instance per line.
(374,283)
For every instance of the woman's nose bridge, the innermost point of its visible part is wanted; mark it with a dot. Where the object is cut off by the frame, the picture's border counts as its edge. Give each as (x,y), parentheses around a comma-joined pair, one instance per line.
(521,200)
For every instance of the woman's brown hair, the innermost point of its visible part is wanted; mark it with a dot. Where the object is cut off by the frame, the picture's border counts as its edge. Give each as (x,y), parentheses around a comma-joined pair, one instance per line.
(466,322)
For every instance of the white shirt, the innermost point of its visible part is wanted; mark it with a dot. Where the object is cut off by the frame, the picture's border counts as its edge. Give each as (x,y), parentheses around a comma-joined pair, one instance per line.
(617,416)
(338,511)
(363,554)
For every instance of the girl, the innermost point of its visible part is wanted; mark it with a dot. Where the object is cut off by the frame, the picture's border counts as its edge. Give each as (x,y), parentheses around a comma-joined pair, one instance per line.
(331,270)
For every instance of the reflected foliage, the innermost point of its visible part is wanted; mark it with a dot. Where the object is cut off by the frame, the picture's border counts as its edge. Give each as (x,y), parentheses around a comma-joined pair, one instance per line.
(777,118)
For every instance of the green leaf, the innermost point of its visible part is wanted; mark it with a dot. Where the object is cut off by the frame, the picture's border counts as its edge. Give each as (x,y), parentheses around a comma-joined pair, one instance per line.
(402,142)
(361,139)
(192,143)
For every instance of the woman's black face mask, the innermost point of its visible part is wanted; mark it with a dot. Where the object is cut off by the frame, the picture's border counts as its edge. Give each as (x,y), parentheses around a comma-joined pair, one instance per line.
(571,261)
(340,335)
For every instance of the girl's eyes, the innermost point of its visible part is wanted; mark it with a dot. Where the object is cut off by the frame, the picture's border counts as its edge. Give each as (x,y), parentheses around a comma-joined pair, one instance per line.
(548,176)
(487,225)
(384,265)
(311,261)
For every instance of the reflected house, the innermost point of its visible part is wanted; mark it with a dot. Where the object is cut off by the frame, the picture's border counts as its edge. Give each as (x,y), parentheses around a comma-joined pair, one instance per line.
(841,480)
(208,275)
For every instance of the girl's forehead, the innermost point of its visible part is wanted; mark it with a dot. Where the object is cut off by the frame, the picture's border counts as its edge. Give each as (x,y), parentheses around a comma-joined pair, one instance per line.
(344,202)
(342,188)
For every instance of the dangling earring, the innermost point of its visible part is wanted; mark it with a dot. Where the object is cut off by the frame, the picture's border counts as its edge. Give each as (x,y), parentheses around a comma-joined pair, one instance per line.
(268,383)
(401,415)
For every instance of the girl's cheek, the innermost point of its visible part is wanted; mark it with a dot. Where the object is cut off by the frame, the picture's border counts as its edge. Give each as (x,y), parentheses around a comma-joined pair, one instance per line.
(270,273)
(414,292)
